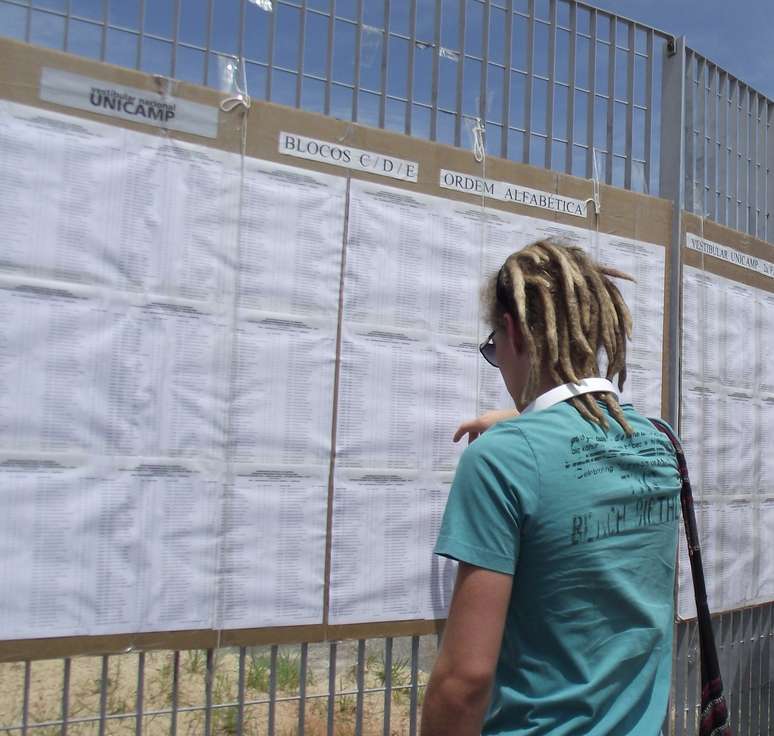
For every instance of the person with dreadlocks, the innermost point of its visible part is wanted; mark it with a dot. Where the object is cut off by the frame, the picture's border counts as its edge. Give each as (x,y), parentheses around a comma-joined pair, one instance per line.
(563,517)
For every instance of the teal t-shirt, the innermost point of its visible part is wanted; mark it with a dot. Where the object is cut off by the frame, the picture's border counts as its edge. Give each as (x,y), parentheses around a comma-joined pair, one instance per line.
(586,522)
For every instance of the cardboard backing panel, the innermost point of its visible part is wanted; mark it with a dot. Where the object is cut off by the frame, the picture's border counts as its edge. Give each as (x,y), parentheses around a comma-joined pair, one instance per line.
(733,239)
(623,213)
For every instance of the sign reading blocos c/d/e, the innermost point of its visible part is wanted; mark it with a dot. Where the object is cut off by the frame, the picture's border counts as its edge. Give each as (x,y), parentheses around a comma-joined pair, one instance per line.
(339,154)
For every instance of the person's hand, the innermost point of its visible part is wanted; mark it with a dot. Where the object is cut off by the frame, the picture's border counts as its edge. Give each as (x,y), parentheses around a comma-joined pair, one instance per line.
(474,427)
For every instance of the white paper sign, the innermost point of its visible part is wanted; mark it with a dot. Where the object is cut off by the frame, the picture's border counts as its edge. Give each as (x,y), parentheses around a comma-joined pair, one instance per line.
(724,253)
(128,103)
(338,154)
(515,193)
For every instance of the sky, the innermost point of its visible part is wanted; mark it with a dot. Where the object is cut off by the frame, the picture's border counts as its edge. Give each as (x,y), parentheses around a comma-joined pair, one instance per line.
(738,36)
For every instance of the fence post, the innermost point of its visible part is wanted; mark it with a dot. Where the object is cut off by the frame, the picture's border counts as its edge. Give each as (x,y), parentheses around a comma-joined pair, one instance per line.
(672,173)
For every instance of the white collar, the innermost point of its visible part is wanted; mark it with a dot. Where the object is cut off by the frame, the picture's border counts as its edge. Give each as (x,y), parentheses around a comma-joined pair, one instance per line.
(568,391)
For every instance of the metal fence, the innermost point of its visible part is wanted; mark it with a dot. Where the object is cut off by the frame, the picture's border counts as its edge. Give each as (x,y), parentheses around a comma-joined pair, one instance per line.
(559,84)
(358,687)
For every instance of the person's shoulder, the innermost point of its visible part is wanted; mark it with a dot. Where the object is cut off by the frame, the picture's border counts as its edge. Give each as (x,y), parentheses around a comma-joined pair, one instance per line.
(502,437)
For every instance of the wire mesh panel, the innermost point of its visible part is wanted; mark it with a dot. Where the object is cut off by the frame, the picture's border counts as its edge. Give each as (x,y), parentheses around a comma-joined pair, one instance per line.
(728,156)
(361,687)
(557,83)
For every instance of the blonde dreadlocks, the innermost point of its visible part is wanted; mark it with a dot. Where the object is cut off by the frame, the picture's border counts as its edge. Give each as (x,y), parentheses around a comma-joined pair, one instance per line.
(567,309)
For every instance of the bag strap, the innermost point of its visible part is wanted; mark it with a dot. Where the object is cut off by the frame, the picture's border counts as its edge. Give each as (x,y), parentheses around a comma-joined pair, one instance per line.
(712,701)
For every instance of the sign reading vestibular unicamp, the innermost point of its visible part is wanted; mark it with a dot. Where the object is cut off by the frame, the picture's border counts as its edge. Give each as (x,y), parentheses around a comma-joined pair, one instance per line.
(724,253)
(338,154)
(515,193)
(128,103)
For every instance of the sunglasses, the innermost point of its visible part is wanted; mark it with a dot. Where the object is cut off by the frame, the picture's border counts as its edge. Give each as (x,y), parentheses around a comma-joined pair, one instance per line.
(489,350)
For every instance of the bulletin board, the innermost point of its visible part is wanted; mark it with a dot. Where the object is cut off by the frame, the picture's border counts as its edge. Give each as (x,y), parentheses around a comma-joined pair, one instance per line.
(237,352)
(727,412)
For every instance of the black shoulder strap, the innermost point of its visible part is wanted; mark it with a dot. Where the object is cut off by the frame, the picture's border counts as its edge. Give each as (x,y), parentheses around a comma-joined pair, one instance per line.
(713,705)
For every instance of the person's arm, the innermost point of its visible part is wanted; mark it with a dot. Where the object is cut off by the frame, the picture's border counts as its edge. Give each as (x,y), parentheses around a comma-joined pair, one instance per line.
(460,685)
(474,427)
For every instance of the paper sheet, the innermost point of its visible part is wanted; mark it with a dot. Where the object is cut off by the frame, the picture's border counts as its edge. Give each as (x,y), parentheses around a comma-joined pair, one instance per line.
(121,352)
(727,414)
(99,547)
(385,526)
(115,207)
(273,549)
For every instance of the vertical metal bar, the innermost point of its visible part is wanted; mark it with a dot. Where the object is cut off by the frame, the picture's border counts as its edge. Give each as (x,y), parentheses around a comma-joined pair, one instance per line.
(530,80)
(273,688)
(752,186)
(240,719)
(270,51)
(711,182)
(461,64)
(176,28)
(103,683)
(769,182)
(673,104)
(67,26)
(435,71)
(358,52)
(387,684)
(734,152)
(483,102)
(629,109)
(721,211)
(28,30)
(678,678)
(331,686)
(360,681)
(551,82)
(103,39)
(507,61)
(65,695)
(329,59)
(694,678)
(175,692)
(767,671)
(208,682)
(592,92)
(141,34)
(26,697)
(414,686)
(648,111)
(385,66)
(412,52)
(745,674)
(690,137)
(140,695)
(756,645)
(301,42)
(744,130)
(303,666)
(208,43)
(611,99)
(700,110)
(762,108)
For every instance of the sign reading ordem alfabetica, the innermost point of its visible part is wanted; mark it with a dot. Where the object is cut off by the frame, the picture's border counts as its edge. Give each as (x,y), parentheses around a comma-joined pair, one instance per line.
(128,103)
(515,193)
(340,154)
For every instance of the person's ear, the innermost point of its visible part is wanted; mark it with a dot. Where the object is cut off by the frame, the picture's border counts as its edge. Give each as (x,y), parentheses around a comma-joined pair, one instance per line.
(513,332)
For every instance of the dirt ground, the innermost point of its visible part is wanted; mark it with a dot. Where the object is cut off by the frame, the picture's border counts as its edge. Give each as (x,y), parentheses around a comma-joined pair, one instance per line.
(45,696)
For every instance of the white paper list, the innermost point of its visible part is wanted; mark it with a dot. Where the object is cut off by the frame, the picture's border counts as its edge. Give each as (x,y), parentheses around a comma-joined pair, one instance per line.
(726,411)
(104,205)
(384,529)
(273,549)
(282,403)
(94,547)
(291,233)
